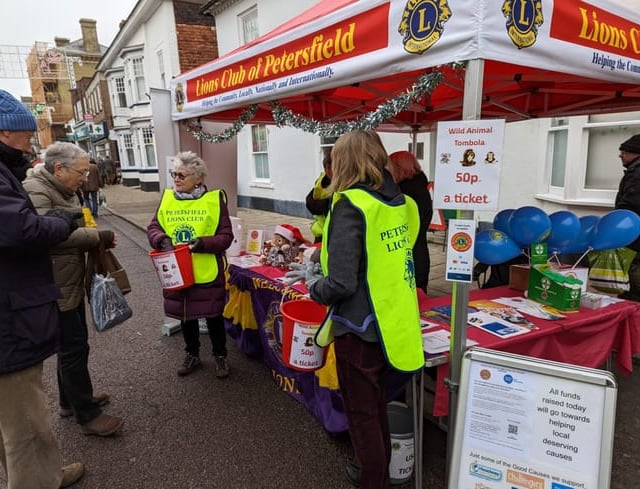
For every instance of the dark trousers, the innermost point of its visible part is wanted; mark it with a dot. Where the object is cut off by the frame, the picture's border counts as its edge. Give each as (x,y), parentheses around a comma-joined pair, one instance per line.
(217,334)
(74,381)
(91,201)
(361,367)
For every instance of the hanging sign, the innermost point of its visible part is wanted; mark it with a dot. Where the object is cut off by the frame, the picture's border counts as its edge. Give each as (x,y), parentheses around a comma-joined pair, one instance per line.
(468,164)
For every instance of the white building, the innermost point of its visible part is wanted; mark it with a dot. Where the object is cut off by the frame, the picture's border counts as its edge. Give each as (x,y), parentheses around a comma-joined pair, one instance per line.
(155,43)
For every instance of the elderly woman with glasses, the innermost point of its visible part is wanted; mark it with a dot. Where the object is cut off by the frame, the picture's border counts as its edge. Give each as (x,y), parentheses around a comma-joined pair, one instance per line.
(191,214)
(54,186)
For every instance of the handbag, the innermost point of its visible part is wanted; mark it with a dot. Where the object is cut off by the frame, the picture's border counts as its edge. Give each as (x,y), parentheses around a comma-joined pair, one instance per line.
(108,305)
(609,270)
(103,261)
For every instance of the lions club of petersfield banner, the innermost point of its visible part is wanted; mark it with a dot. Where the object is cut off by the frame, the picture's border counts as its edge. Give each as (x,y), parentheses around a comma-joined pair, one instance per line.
(359,41)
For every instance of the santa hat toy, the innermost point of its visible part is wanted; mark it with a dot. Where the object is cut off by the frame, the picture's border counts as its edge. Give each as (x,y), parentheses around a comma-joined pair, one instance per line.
(289,232)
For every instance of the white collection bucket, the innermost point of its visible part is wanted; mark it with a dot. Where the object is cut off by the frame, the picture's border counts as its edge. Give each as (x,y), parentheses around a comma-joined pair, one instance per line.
(402,442)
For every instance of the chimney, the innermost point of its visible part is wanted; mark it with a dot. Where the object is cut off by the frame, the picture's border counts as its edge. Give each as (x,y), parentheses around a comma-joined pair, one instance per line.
(61,41)
(89,35)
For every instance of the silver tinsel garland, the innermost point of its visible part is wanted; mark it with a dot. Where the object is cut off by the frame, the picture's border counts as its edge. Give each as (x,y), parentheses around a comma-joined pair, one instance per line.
(194,127)
(424,85)
(285,117)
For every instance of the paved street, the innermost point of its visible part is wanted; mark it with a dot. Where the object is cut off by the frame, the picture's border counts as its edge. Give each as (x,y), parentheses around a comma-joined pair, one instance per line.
(199,432)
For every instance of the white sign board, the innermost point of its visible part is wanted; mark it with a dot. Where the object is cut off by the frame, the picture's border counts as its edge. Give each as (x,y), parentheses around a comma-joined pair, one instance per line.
(460,241)
(468,164)
(524,422)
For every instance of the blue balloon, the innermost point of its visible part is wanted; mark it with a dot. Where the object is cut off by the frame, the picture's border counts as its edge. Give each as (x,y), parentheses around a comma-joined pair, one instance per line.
(529,225)
(493,247)
(501,220)
(583,240)
(565,227)
(616,229)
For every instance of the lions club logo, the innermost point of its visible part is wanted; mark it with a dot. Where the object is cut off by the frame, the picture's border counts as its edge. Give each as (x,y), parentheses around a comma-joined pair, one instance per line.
(524,17)
(422,24)
(184,233)
(179,97)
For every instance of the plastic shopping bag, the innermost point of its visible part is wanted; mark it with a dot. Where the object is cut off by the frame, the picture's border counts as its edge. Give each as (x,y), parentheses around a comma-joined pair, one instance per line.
(108,305)
(102,198)
(609,270)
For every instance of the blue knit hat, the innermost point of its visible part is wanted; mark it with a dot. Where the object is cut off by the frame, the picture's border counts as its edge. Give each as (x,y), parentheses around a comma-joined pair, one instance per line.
(14,116)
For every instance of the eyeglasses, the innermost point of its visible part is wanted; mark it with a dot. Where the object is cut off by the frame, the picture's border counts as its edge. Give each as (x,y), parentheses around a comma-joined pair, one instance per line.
(179,176)
(84,173)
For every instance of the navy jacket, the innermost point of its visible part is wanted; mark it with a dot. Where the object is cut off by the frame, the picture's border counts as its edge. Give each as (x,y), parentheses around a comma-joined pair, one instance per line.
(28,294)
(628,196)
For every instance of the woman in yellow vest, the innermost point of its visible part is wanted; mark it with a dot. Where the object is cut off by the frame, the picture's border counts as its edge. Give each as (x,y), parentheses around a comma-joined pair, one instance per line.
(318,200)
(369,283)
(189,213)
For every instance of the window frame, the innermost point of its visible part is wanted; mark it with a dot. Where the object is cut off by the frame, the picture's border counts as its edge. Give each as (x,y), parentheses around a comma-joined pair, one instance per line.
(249,15)
(148,142)
(574,190)
(255,150)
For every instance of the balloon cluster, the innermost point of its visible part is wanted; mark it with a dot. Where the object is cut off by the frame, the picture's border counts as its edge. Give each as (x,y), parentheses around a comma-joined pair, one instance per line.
(564,232)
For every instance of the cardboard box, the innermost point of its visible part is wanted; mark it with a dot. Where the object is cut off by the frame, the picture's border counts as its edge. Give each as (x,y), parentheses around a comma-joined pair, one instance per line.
(581,273)
(545,290)
(519,277)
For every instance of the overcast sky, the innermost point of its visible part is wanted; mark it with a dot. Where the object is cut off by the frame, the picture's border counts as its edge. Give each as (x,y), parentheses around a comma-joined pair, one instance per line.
(23,22)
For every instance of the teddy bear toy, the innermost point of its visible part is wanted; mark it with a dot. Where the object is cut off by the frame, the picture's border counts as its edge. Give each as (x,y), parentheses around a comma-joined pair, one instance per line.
(284,247)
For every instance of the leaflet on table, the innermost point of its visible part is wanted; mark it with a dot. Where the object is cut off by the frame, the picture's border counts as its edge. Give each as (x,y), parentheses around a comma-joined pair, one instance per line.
(441,314)
(503,312)
(531,307)
(508,315)
(495,325)
(438,340)
(245,261)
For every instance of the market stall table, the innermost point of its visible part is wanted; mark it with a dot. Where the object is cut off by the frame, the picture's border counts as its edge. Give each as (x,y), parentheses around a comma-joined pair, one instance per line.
(586,338)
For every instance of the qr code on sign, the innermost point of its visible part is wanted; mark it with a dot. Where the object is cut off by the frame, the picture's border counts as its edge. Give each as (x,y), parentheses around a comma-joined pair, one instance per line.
(513,429)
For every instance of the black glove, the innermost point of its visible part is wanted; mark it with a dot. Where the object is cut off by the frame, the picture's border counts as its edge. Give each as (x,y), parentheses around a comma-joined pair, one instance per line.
(196,245)
(70,217)
(165,244)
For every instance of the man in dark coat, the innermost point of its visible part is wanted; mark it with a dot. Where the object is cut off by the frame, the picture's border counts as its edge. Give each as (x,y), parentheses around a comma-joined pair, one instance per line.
(29,331)
(628,197)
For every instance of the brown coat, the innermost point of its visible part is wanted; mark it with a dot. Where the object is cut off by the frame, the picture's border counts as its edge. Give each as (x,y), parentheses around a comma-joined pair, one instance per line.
(68,257)
(94,181)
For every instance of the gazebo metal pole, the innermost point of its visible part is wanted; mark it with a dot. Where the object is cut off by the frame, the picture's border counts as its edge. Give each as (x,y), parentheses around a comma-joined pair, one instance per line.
(471,109)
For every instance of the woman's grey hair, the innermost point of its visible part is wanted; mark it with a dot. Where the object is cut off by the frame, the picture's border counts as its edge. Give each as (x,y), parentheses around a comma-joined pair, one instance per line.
(65,153)
(190,160)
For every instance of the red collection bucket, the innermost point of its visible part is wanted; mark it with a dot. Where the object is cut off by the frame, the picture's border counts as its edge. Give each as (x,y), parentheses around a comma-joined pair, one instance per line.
(301,320)
(174,267)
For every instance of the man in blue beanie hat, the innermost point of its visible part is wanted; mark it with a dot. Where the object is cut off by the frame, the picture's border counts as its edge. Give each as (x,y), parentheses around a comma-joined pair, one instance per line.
(628,197)
(29,331)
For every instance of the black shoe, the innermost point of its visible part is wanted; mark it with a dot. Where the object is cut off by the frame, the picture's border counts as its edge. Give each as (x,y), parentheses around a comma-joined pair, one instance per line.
(353,473)
(99,399)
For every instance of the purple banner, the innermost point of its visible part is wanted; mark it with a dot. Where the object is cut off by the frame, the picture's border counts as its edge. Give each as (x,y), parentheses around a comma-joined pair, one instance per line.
(266,295)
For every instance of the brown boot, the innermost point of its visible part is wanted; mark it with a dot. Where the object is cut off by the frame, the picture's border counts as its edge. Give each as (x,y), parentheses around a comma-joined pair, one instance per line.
(189,364)
(103,425)
(99,399)
(71,474)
